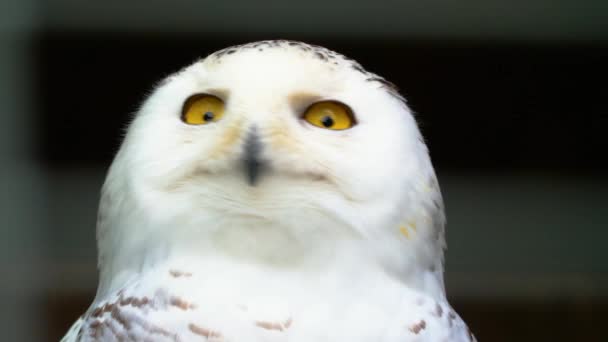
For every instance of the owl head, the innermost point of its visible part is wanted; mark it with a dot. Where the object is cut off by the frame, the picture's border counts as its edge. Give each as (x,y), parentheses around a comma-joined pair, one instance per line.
(276,150)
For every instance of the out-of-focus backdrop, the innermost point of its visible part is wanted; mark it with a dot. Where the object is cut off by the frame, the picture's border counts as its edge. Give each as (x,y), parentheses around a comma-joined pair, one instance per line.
(512,97)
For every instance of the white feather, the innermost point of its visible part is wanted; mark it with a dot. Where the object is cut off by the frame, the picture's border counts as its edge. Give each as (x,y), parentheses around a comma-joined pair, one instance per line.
(315,252)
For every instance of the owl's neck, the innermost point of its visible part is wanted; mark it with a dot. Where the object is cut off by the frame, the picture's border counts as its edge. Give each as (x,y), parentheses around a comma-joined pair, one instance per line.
(318,246)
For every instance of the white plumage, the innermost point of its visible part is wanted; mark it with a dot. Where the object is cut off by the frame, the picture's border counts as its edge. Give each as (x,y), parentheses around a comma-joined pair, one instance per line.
(265,225)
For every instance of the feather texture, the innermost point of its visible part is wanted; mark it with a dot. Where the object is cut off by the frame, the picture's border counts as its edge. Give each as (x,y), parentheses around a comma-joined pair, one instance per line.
(338,237)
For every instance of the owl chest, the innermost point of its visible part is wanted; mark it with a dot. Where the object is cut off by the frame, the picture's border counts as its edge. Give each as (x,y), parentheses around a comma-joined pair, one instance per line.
(179,304)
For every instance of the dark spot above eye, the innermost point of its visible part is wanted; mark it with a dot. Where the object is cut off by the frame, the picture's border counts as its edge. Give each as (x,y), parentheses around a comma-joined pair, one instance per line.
(327,121)
(208,116)
(358,67)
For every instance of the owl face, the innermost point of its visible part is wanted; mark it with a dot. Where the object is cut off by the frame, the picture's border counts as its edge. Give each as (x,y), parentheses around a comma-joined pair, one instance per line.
(267,129)
(278,134)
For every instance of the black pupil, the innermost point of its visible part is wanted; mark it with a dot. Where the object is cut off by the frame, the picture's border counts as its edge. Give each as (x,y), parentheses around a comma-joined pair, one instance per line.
(208,116)
(327,121)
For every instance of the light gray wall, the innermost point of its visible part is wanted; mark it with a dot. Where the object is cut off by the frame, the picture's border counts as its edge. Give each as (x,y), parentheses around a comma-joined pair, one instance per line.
(23,193)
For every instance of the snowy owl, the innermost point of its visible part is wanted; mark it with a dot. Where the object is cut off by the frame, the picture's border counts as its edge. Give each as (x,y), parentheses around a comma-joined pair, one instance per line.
(273,191)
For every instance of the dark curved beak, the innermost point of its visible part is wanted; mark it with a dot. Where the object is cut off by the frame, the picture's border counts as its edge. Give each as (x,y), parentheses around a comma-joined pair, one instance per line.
(251,157)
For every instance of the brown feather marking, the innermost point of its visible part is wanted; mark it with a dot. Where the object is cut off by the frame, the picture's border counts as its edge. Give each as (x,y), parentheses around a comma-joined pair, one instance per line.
(416,328)
(274,325)
(178,273)
(438,310)
(118,315)
(126,301)
(140,302)
(120,318)
(451,318)
(97,312)
(95,328)
(203,331)
(180,303)
(110,327)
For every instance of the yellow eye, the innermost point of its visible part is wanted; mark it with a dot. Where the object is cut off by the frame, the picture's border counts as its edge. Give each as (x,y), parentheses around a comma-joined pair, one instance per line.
(202,109)
(330,114)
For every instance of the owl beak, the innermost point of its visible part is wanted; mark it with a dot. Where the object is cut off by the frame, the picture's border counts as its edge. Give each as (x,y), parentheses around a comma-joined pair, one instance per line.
(251,159)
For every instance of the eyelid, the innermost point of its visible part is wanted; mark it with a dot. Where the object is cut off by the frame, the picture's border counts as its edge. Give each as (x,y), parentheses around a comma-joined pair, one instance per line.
(193,97)
(348,108)
(220,93)
(300,102)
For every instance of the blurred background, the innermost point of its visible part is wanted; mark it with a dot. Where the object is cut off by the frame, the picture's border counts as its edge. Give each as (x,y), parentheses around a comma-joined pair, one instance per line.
(511,96)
